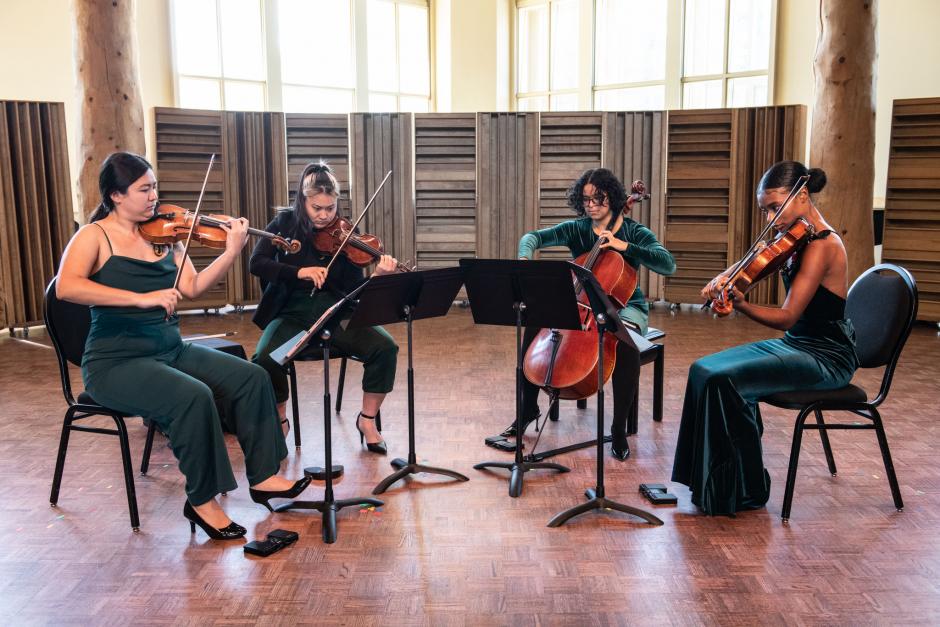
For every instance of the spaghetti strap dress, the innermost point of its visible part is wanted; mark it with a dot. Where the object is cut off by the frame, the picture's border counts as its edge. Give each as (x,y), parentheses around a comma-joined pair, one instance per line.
(136,362)
(718,452)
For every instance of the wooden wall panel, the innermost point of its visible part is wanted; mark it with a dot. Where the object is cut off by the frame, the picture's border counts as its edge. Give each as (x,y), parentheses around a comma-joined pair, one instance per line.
(445,188)
(912,199)
(383,142)
(714,161)
(507,181)
(633,149)
(569,144)
(36,214)
(316,136)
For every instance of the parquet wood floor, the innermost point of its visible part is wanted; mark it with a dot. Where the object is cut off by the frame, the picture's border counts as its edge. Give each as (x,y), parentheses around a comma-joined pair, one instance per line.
(467,554)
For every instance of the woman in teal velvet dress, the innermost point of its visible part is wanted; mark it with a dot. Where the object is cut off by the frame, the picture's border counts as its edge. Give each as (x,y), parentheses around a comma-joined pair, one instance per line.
(602,204)
(136,362)
(718,453)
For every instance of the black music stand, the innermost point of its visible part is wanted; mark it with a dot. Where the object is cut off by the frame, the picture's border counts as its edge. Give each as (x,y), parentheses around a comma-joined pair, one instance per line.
(608,321)
(520,293)
(406,297)
(322,331)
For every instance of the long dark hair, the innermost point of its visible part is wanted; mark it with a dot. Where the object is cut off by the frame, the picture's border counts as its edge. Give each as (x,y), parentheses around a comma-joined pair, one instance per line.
(117,173)
(603,181)
(317,178)
(787,173)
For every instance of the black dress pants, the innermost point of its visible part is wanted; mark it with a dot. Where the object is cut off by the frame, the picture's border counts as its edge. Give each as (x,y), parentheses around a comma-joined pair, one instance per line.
(626,378)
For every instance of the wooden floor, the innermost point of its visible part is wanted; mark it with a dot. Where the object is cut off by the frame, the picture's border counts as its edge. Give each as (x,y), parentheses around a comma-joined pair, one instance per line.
(443,553)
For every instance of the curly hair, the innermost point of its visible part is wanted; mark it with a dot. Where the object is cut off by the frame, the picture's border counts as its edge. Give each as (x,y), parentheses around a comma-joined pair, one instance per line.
(605,182)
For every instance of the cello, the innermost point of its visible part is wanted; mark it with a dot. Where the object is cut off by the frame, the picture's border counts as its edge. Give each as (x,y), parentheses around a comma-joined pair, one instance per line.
(564,362)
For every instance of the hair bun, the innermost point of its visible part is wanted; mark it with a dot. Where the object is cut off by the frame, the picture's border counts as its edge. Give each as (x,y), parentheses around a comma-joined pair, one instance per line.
(817,180)
(320,167)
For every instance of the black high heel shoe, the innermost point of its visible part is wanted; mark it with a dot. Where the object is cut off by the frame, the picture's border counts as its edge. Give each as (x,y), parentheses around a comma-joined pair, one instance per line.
(232,532)
(372,447)
(263,496)
(510,431)
(620,449)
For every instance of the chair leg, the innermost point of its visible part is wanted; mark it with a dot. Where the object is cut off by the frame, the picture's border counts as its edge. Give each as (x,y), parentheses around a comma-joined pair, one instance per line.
(658,370)
(824,436)
(794,461)
(582,403)
(294,403)
(553,411)
(341,385)
(128,472)
(886,455)
(148,448)
(60,458)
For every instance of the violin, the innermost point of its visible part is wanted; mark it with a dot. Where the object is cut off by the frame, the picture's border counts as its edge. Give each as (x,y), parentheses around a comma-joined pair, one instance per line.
(564,362)
(764,258)
(361,249)
(171,224)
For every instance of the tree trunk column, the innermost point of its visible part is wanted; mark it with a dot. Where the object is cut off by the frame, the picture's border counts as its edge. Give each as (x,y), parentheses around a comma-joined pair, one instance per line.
(843,134)
(112,115)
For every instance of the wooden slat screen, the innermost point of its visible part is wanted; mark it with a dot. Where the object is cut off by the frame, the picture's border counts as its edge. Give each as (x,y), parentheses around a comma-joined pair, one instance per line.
(383,142)
(185,140)
(507,181)
(445,188)
(36,217)
(912,199)
(316,136)
(633,149)
(255,184)
(569,144)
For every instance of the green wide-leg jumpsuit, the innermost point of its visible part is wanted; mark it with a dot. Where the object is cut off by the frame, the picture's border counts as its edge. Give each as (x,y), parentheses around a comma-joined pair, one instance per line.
(136,362)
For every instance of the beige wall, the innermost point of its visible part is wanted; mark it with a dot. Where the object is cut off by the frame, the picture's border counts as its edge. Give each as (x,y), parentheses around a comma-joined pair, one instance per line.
(908,53)
(36,45)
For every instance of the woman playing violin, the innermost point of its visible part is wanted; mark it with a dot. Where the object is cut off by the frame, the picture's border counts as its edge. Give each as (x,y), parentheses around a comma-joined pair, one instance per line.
(718,454)
(135,361)
(600,201)
(287,307)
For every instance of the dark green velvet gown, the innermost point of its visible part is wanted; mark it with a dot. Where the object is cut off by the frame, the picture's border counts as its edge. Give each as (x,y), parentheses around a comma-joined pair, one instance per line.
(136,362)
(718,453)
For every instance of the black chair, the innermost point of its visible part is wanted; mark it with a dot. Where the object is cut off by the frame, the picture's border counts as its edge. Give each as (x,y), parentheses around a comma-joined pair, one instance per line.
(315,353)
(882,305)
(68,324)
(655,354)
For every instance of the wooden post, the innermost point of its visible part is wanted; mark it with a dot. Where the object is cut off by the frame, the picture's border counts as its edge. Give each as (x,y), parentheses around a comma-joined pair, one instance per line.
(843,135)
(112,116)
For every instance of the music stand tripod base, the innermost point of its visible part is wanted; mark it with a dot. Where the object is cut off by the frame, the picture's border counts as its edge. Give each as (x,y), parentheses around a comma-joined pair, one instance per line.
(317,473)
(601,502)
(404,468)
(328,510)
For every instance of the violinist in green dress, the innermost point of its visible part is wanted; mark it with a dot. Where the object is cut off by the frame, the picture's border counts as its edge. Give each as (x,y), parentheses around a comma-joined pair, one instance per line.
(718,453)
(136,362)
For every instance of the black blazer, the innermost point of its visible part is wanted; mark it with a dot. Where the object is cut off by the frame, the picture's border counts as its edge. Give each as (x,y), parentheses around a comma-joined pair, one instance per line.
(278,270)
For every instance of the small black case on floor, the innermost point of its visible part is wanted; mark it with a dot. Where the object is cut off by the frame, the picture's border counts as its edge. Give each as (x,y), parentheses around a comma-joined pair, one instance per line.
(501,443)
(658,494)
(276,540)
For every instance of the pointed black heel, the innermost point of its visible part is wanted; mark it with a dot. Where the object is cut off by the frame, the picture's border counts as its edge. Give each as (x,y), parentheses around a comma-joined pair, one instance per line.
(620,448)
(377,447)
(263,496)
(232,532)
(510,431)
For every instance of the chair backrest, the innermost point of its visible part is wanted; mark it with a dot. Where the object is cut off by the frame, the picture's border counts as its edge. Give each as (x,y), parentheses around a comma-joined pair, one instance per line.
(67,325)
(882,305)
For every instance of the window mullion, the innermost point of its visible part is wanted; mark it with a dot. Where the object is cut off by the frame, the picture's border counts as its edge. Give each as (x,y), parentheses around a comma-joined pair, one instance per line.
(724,69)
(675,44)
(360,44)
(272,54)
(218,36)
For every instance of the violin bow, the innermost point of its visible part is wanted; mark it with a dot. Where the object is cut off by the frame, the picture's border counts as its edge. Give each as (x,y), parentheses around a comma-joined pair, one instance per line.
(189,237)
(736,269)
(352,229)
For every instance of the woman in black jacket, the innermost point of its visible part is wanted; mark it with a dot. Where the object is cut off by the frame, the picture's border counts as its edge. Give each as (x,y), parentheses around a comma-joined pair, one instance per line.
(287,307)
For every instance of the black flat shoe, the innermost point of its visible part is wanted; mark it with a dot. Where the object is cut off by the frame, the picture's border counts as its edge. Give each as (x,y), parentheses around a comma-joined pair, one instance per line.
(232,532)
(620,450)
(510,431)
(372,447)
(263,496)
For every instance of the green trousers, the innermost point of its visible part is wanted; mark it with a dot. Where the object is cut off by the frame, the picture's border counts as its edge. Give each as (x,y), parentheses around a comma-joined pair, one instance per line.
(177,387)
(373,346)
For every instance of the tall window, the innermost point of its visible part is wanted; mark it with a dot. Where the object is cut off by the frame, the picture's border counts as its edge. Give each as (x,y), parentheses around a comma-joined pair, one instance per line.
(220,56)
(547,81)
(726,56)
(329,56)
(643,54)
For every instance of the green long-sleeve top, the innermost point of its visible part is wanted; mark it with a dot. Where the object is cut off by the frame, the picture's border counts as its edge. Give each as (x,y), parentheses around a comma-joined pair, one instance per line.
(578,235)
